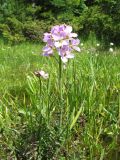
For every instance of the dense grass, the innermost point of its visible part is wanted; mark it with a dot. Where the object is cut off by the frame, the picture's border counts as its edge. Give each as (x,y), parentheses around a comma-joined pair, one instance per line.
(78,121)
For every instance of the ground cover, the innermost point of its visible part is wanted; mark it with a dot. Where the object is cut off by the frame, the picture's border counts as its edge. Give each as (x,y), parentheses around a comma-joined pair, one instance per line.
(35,123)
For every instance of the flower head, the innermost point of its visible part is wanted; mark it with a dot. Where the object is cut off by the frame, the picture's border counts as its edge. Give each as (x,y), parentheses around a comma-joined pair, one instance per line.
(42,74)
(111,44)
(62,40)
(97,44)
(111,50)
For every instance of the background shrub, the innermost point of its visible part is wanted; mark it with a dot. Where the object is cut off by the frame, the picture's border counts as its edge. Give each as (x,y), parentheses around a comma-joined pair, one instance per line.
(28,20)
(35,30)
(103,18)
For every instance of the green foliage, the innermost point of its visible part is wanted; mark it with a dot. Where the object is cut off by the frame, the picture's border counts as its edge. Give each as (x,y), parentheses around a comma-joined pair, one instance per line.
(35,30)
(103,18)
(13,38)
(12,30)
(15,31)
(30,112)
(99,16)
(14,24)
(7,8)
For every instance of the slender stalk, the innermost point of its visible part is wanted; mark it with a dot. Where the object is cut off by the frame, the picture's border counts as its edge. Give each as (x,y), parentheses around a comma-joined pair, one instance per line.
(60,91)
(40,120)
(40,87)
(48,101)
(60,73)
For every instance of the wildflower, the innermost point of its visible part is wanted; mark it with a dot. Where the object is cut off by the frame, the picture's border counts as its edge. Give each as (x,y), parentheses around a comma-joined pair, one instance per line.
(96,55)
(33,52)
(111,50)
(81,44)
(97,44)
(62,40)
(42,74)
(111,44)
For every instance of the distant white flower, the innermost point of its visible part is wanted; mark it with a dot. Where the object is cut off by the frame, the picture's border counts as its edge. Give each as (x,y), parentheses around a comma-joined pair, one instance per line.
(111,50)
(3,49)
(111,44)
(88,52)
(97,44)
(81,44)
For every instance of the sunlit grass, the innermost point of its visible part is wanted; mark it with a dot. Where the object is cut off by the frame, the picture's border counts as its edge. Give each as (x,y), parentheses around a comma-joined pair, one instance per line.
(33,124)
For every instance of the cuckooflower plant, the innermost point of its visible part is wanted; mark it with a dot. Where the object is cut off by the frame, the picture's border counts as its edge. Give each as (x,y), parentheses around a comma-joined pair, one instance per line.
(62,40)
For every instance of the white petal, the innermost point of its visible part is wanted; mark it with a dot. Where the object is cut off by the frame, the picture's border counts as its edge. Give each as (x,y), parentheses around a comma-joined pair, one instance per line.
(76,48)
(56,38)
(68,29)
(64,59)
(46,76)
(42,73)
(57,44)
(73,35)
(65,42)
(70,56)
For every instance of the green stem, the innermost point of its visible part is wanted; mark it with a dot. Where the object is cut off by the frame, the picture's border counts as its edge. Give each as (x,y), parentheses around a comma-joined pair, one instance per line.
(48,98)
(60,72)
(40,86)
(60,90)
(40,121)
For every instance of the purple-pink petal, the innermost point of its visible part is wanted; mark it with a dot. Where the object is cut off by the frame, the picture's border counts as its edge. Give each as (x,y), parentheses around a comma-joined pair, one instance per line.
(47,36)
(75,41)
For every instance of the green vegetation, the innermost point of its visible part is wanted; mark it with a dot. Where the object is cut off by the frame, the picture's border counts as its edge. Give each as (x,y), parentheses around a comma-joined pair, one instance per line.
(74,114)
(36,124)
(27,20)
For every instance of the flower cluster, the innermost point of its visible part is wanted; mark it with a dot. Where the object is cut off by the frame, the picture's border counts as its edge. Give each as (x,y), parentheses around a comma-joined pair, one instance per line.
(62,40)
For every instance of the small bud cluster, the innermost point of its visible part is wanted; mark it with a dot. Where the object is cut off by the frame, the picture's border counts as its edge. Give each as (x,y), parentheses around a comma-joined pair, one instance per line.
(42,74)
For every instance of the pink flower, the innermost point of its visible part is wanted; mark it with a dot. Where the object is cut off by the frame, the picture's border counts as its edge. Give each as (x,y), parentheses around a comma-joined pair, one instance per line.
(62,40)
(42,74)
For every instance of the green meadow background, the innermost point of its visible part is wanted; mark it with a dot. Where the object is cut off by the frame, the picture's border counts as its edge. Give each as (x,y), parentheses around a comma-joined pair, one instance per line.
(81,119)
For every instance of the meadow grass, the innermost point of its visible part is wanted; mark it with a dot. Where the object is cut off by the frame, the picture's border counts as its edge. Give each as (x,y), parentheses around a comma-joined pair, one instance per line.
(38,120)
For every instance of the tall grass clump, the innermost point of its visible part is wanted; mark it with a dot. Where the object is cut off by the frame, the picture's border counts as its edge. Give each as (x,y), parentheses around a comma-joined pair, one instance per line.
(69,109)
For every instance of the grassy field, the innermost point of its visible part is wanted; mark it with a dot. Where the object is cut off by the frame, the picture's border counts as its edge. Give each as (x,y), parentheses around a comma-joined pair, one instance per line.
(75,118)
